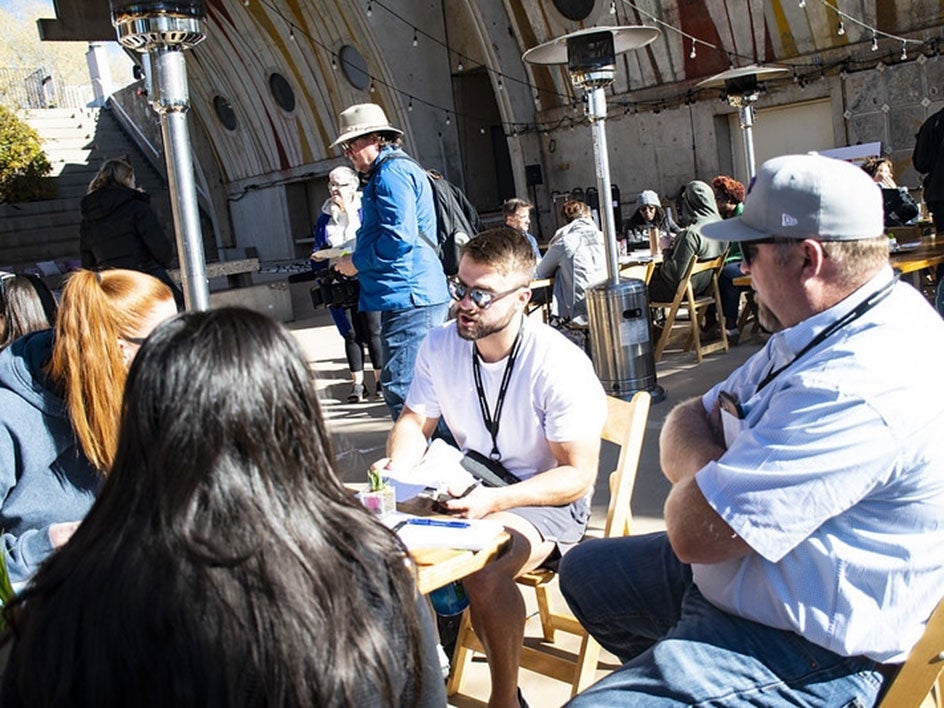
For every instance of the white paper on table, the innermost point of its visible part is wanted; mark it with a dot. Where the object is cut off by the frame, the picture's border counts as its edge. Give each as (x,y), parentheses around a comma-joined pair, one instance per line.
(440,468)
(472,535)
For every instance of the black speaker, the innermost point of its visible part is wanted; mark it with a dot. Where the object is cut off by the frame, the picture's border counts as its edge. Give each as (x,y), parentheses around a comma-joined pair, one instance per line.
(533,175)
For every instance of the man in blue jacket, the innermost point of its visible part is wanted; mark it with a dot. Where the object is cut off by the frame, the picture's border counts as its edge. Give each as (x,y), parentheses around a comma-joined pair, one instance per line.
(399,271)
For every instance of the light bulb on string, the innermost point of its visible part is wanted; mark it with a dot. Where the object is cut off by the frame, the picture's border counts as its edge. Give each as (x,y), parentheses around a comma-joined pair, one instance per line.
(373,88)
(245,3)
(370,9)
(291,32)
(334,61)
(802,4)
(841,30)
(904,52)
(448,120)
(874,42)
(691,54)
(416,40)
(500,84)
(612,7)
(409,106)
(482,130)
(459,66)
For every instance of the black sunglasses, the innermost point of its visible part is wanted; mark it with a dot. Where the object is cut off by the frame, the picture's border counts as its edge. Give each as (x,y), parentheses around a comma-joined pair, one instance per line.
(749,248)
(482,299)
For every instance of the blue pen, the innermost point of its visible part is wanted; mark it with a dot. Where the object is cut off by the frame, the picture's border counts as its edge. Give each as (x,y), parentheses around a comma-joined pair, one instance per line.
(439,522)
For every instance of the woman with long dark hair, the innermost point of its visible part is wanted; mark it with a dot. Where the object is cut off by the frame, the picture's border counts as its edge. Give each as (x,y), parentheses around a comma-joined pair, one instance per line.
(223,564)
(26,305)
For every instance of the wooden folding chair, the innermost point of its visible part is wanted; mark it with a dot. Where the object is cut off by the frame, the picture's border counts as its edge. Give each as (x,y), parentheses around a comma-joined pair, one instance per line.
(640,271)
(685,297)
(626,427)
(921,673)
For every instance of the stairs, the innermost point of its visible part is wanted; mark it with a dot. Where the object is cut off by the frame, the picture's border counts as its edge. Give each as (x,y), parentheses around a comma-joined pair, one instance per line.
(76,141)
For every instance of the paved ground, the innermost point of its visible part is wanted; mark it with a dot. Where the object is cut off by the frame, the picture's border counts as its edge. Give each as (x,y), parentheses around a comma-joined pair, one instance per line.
(359,432)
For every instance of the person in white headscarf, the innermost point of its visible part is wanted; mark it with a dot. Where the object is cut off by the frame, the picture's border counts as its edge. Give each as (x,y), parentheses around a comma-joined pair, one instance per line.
(337,228)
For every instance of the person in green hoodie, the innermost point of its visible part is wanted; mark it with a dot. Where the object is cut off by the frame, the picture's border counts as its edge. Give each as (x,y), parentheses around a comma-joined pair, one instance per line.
(698,208)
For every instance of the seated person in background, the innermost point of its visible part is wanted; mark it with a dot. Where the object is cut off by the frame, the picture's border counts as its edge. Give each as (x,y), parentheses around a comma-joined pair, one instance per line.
(60,399)
(698,209)
(729,197)
(224,558)
(898,205)
(516,390)
(576,259)
(649,213)
(26,305)
(337,228)
(802,556)
(517,215)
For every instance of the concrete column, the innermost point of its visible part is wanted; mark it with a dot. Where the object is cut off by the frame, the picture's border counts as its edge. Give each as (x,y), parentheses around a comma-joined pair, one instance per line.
(99,72)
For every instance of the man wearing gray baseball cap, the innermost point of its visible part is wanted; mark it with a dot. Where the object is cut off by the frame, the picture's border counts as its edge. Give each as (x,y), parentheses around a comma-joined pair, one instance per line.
(802,553)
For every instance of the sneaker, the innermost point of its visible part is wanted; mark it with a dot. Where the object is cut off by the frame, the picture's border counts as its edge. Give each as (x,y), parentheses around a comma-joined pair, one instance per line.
(358,394)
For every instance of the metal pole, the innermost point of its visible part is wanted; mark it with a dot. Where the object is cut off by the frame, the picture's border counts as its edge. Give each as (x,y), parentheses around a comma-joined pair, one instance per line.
(597,111)
(172,101)
(747,125)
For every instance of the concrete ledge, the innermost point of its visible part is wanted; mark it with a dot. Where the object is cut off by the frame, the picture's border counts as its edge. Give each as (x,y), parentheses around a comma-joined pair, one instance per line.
(272,299)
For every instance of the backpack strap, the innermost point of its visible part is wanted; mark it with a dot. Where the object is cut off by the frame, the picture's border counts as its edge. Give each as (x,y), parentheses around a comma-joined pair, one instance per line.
(375,169)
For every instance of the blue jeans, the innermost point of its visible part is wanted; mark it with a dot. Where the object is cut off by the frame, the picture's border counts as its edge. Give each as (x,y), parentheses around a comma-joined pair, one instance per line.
(401,333)
(638,600)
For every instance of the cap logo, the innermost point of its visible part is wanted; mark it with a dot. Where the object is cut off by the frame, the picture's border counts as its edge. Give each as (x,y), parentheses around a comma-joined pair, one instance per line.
(787,220)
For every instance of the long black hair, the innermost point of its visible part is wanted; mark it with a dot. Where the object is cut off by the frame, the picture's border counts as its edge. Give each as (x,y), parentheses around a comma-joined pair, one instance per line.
(224,563)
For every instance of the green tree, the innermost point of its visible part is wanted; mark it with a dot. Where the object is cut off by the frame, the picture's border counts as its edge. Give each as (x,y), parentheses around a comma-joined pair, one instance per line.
(23,164)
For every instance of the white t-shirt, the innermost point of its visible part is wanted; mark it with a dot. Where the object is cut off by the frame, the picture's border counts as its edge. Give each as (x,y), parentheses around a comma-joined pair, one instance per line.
(553,394)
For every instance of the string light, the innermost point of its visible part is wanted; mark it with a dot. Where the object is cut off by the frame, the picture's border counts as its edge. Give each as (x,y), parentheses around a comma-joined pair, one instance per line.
(802,4)
(370,9)
(334,61)
(874,41)
(373,88)
(612,7)
(459,66)
(291,32)
(416,40)
(448,120)
(842,29)
(409,106)
(904,52)
(245,3)
(691,54)
(500,84)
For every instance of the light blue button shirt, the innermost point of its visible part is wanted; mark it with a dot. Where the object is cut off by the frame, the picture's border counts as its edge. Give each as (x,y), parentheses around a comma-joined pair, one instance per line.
(836,480)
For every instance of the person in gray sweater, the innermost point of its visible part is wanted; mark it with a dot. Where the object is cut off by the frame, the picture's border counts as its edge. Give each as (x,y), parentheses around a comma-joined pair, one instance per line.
(60,396)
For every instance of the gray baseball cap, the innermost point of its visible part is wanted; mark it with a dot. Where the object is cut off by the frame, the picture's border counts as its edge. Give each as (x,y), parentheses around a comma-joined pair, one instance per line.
(806,196)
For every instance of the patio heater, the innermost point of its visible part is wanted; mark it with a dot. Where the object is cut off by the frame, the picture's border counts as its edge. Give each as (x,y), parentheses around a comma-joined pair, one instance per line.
(163,29)
(743,87)
(618,309)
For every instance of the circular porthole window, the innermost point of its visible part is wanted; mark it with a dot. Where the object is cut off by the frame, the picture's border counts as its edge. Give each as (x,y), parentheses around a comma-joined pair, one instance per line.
(575,10)
(224,112)
(282,92)
(354,67)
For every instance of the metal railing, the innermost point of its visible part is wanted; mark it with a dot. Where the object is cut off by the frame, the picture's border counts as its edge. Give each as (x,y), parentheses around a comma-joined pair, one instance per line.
(35,88)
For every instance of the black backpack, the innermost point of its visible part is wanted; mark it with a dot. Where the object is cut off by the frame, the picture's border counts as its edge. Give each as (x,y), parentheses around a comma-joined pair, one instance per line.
(457,221)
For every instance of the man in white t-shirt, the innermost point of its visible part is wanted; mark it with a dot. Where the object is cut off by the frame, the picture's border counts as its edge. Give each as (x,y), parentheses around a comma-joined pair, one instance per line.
(545,410)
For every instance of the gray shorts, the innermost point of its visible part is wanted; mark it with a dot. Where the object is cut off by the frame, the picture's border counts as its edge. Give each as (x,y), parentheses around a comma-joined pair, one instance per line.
(564,525)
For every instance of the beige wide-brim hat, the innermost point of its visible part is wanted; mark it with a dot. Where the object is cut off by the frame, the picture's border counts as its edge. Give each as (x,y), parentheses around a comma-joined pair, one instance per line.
(362,119)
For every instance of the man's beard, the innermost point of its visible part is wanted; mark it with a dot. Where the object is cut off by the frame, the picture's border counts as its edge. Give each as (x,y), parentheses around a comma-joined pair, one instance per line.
(479,330)
(768,320)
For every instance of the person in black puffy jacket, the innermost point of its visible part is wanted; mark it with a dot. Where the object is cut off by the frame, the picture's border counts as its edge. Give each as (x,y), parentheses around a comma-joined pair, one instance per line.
(120,230)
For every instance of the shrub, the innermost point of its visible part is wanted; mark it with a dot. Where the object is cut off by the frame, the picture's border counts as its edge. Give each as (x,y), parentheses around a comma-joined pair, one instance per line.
(23,164)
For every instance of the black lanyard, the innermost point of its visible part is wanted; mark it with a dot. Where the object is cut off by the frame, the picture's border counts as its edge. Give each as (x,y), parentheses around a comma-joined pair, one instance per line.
(491,424)
(850,317)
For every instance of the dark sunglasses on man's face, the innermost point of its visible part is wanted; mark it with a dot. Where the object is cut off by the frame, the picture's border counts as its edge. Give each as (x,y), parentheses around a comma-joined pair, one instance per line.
(482,299)
(749,248)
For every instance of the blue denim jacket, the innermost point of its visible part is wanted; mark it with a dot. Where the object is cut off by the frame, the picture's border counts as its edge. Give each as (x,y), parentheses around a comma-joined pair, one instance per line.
(397,269)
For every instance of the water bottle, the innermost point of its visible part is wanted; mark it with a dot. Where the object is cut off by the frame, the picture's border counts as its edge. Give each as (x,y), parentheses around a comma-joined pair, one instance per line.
(449,599)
